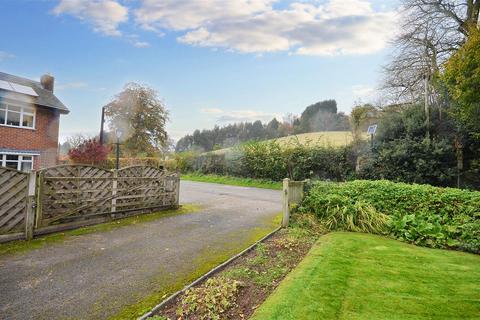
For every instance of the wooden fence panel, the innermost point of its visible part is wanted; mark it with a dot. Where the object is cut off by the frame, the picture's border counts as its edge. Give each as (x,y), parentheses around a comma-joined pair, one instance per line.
(143,187)
(13,200)
(73,192)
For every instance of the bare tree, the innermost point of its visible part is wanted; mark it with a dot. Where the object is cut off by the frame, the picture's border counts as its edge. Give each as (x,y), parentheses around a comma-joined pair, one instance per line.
(431,31)
(74,141)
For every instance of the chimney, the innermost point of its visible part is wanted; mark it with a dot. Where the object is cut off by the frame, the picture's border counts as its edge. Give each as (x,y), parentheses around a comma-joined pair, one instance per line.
(47,82)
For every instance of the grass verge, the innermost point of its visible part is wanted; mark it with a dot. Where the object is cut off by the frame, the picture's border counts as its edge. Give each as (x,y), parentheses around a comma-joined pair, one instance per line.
(234,181)
(361,276)
(22,245)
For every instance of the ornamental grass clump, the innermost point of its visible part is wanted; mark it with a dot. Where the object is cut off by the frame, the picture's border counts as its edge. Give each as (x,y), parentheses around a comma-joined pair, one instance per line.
(359,216)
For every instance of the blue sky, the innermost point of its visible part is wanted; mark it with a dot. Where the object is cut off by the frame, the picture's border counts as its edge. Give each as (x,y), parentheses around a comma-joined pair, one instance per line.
(211,61)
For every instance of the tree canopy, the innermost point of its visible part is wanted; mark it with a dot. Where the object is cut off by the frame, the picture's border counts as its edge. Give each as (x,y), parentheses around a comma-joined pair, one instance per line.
(141,115)
(462,78)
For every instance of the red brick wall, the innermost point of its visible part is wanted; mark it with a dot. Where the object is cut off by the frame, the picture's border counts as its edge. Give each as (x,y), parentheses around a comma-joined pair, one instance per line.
(43,138)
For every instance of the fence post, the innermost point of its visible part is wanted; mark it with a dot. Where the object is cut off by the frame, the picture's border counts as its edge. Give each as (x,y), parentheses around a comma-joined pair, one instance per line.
(114,191)
(30,212)
(177,191)
(285,204)
(39,200)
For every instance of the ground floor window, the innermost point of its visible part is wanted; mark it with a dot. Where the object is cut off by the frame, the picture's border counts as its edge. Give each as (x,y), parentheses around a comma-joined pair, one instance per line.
(17,161)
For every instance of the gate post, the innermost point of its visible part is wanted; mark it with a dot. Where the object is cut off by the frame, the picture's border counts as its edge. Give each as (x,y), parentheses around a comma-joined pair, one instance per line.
(30,210)
(285,204)
(114,191)
(177,191)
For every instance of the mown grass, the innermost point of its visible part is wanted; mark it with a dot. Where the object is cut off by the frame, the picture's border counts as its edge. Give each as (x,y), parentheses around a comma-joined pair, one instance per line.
(234,181)
(361,276)
(22,245)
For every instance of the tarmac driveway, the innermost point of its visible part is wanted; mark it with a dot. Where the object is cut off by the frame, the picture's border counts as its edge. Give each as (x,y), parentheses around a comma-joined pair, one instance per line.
(98,275)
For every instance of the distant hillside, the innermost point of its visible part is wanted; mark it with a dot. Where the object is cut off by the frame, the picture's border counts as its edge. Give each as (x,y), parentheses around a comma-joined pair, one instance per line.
(320,116)
(322,138)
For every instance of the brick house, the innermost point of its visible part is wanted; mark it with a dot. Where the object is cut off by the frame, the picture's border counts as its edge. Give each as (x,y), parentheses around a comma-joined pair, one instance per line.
(29,122)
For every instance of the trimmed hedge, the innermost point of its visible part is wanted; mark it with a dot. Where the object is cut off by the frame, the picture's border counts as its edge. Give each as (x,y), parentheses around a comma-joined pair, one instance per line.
(420,214)
(273,161)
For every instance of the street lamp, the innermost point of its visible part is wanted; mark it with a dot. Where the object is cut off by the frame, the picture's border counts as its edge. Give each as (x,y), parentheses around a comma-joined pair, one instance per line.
(118,134)
(101,125)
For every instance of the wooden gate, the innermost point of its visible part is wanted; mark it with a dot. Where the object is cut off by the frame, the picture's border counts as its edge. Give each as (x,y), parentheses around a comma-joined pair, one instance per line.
(72,192)
(13,201)
(75,193)
(70,196)
(141,187)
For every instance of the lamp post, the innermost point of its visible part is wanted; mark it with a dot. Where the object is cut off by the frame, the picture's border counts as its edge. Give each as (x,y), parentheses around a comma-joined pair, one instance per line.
(101,125)
(118,134)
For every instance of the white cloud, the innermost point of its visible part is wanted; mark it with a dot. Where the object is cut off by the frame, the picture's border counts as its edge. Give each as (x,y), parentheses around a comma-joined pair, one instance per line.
(6,55)
(104,15)
(141,44)
(183,15)
(225,116)
(363,92)
(71,85)
(136,42)
(211,110)
(255,26)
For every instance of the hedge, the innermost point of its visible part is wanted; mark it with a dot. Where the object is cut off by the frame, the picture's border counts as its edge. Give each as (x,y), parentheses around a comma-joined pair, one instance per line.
(272,161)
(420,214)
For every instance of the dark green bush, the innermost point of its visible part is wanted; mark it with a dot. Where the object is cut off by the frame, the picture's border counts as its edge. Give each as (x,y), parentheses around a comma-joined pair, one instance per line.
(414,161)
(419,214)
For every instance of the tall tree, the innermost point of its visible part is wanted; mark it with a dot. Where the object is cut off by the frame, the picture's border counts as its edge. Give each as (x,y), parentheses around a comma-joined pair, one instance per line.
(431,31)
(462,77)
(141,115)
(319,116)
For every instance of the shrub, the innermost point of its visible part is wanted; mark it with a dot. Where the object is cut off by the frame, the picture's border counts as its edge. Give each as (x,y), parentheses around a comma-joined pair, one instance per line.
(419,214)
(413,161)
(210,300)
(89,152)
(272,161)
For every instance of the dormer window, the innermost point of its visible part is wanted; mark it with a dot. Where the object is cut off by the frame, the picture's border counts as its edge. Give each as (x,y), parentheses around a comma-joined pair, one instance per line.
(16,116)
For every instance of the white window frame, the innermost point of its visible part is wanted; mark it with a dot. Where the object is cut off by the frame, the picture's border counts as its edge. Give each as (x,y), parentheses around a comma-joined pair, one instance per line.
(3,159)
(5,107)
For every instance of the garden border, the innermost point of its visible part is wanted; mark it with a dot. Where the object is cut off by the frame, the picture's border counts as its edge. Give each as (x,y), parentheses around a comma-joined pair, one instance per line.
(206,275)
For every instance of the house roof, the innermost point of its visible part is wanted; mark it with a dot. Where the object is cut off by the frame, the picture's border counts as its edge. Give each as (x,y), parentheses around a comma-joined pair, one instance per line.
(45,98)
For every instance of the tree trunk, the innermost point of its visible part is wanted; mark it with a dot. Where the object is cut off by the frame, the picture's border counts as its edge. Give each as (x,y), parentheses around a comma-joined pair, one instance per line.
(459,152)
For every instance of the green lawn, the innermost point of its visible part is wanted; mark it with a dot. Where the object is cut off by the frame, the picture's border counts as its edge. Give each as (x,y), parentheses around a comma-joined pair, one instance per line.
(361,276)
(234,181)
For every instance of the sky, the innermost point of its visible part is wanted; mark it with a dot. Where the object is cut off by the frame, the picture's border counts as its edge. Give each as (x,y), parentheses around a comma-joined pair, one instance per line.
(212,62)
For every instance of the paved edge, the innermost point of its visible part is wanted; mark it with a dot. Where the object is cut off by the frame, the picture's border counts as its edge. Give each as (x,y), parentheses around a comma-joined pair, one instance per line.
(206,275)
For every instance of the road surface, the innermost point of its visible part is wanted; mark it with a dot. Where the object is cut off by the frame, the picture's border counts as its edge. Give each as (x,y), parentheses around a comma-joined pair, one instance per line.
(97,275)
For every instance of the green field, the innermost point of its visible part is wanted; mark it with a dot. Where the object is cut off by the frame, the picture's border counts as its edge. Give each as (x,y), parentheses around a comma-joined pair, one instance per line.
(322,138)
(361,276)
